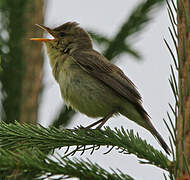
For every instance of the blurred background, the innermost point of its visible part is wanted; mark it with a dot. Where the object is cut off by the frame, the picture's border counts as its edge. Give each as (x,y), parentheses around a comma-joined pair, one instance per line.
(128,35)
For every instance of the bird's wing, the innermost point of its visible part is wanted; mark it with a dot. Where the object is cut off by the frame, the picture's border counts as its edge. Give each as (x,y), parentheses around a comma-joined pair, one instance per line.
(99,67)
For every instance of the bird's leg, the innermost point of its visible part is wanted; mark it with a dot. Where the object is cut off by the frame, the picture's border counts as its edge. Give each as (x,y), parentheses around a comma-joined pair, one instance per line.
(93,124)
(104,120)
(101,121)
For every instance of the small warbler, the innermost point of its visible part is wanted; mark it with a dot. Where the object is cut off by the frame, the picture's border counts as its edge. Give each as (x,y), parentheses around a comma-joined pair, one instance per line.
(89,83)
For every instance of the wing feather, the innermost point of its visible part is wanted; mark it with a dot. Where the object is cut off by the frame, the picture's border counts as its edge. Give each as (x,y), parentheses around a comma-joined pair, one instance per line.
(99,67)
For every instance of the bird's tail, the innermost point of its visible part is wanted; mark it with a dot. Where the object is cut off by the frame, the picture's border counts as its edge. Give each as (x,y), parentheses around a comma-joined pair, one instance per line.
(158,137)
(143,120)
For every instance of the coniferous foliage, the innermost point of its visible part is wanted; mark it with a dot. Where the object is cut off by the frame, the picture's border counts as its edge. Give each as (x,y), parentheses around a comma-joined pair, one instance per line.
(25,137)
(16,136)
(45,167)
(24,148)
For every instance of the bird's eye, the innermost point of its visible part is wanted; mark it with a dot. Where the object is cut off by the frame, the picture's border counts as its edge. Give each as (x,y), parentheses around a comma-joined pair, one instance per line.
(61,34)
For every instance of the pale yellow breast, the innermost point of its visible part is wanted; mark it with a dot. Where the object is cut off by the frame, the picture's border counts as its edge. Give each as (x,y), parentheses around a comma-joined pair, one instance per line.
(85,93)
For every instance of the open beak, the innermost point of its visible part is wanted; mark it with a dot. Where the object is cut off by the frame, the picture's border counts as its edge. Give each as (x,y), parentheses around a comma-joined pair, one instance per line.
(44,39)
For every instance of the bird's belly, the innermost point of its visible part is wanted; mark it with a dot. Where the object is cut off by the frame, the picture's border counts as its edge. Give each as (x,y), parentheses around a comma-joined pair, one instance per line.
(86,94)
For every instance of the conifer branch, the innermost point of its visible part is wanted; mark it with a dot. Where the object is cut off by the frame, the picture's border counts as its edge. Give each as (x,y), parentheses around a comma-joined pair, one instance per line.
(183,116)
(13,136)
(29,161)
(103,40)
(99,38)
(180,34)
(174,88)
(136,22)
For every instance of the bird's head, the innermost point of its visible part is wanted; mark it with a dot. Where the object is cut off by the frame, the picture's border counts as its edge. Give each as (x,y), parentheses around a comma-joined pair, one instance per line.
(67,37)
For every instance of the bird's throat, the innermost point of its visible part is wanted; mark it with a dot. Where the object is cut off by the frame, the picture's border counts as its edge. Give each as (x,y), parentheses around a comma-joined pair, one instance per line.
(54,54)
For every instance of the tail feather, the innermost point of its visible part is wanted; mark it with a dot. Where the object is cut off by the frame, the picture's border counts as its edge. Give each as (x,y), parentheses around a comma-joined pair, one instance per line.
(158,137)
(162,142)
(141,117)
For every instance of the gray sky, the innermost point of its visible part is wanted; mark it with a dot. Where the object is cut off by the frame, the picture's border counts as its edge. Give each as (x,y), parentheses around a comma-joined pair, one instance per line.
(150,76)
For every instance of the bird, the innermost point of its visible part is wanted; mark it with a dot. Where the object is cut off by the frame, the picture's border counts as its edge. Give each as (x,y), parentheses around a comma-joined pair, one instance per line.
(89,82)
